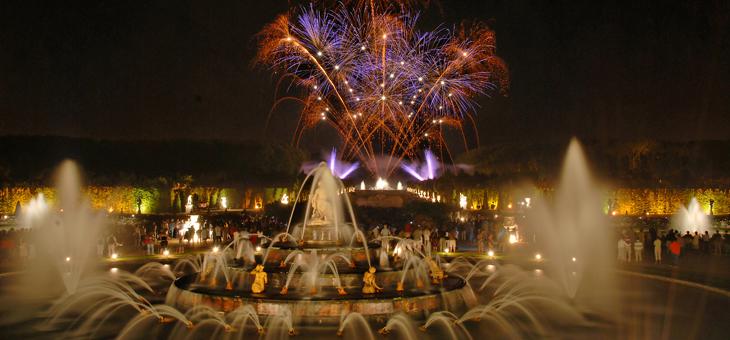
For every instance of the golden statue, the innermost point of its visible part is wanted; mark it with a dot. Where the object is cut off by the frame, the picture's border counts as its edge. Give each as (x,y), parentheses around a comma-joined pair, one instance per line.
(437,274)
(260,279)
(370,286)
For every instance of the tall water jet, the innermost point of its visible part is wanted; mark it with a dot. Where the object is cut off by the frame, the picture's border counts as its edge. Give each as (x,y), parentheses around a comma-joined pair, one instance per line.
(575,238)
(691,218)
(67,232)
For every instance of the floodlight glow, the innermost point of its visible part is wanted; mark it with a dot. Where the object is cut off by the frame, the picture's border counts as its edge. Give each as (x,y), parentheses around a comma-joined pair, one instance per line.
(462,201)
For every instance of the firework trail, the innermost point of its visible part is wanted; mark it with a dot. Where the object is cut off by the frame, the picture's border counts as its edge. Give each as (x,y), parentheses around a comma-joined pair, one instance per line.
(388,89)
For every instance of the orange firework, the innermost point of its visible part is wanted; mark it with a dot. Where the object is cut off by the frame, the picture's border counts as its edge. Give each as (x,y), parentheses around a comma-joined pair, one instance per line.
(388,89)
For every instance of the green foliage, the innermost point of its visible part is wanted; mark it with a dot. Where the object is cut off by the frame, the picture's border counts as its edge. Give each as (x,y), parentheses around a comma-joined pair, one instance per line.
(149,197)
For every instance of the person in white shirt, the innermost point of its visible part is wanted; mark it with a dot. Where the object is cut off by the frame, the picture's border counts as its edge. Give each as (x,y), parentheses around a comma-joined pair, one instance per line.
(621,250)
(638,250)
(427,240)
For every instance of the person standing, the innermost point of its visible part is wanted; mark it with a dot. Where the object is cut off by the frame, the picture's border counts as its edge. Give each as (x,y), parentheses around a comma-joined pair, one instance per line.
(716,241)
(657,250)
(621,252)
(111,245)
(180,240)
(638,250)
(427,240)
(480,241)
(100,247)
(675,249)
(452,242)
(443,243)
(217,235)
(150,243)
(137,236)
(254,236)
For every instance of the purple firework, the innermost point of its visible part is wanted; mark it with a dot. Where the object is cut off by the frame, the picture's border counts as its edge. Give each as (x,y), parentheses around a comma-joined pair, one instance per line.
(387,88)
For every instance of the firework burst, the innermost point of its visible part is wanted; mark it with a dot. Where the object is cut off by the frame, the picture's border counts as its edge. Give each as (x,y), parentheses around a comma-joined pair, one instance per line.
(387,88)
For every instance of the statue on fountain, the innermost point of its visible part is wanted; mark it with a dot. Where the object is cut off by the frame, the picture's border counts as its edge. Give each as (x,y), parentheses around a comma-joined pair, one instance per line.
(437,274)
(320,206)
(260,279)
(370,286)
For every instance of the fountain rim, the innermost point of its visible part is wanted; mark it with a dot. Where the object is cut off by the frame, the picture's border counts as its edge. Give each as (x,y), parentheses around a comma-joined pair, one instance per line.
(179,283)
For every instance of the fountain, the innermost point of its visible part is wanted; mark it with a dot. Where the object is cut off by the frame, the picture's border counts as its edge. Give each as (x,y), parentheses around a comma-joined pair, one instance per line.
(322,277)
(574,234)
(691,218)
(66,232)
(324,268)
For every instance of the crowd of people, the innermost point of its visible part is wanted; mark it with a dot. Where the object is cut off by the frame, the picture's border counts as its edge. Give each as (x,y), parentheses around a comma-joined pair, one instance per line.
(631,247)
(449,237)
(176,235)
(15,245)
(155,234)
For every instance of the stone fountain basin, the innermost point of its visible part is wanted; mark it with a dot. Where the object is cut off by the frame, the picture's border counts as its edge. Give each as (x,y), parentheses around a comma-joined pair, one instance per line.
(350,278)
(326,306)
(320,245)
(279,252)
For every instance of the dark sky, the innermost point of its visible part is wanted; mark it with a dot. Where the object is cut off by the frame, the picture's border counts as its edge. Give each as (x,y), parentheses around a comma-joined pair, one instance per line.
(182,69)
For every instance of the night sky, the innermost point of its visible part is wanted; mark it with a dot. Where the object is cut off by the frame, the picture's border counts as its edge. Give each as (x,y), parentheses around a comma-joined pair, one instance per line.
(183,69)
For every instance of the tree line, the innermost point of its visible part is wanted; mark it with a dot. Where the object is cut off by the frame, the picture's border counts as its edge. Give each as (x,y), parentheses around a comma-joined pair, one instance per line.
(645,163)
(32,160)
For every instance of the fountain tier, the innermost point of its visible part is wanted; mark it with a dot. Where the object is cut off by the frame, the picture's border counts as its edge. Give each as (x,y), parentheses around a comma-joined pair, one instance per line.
(316,269)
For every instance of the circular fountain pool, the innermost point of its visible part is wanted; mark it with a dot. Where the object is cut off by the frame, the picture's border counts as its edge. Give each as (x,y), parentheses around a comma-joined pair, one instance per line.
(316,270)
(326,305)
